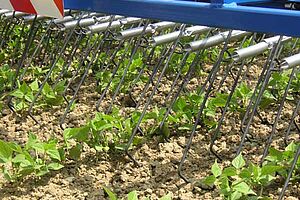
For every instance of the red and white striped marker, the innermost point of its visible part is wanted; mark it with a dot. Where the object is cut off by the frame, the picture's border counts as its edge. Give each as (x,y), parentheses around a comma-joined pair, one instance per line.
(51,8)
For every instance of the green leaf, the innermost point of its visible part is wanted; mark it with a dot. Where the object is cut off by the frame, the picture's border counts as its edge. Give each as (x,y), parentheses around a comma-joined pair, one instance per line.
(245,174)
(274,155)
(102,125)
(75,152)
(34,143)
(53,153)
(44,170)
(19,158)
(224,186)
(216,170)
(229,171)
(238,162)
(55,166)
(270,169)
(111,195)
(34,86)
(60,86)
(29,97)
(210,180)
(243,188)
(5,151)
(218,101)
(180,103)
(167,197)
(132,196)
(235,195)
(17,93)
(291,147)
(80,134)
(24,88)
(15,147)
(7,175)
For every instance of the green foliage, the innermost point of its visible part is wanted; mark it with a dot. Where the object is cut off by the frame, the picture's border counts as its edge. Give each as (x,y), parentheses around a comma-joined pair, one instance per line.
(24,95)
(241,181)
(133,195)
(35,157)
(284,159)
(6,77)
(103,133)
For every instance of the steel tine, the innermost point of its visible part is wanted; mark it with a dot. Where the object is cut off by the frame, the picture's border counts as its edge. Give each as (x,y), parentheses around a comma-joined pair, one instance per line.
(99,48)
(18,43)
(287,180)
(117,65)
(40,44)
(28,63)
(67,64)
(269,140)
(7,32)
(295,113)
(229,67)
(149,99)
(112,77)
(53,65)
(87,49)
(216,132)
(28,43)
(264,83)
(134,51)
(179,73)
(185,81)
(141,72)
(209,88)
(158,64)
(165,53)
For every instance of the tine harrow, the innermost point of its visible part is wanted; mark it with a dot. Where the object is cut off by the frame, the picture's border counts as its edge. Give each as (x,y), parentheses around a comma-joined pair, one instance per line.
(194,79)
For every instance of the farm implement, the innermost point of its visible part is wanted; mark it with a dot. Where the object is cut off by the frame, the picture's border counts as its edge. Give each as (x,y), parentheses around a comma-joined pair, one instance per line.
(224,69)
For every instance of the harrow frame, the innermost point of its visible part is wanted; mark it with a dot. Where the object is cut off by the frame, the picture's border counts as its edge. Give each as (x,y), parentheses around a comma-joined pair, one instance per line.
(250,15)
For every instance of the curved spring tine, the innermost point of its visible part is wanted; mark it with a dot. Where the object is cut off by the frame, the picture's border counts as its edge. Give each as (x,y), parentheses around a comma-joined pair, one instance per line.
(38,48)
(87,49)
(67,64)
(7,31)
(216,132)
(99,48)
(28,43)
(149,100)
(185,81)
(212,76)
(229,66)
(113,75)
(18,44)
(112,59)
(117,65)
(151,76)
(165,53)
(29,62)
(179,73)
(53,65)
(269,141)
(134,51)
(270,68)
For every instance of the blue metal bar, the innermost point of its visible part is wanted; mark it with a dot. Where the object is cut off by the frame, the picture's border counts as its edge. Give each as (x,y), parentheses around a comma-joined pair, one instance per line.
(231,16)
(246,1)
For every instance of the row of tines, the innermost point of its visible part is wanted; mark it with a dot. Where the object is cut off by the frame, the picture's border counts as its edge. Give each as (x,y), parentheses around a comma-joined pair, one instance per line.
(84,44)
